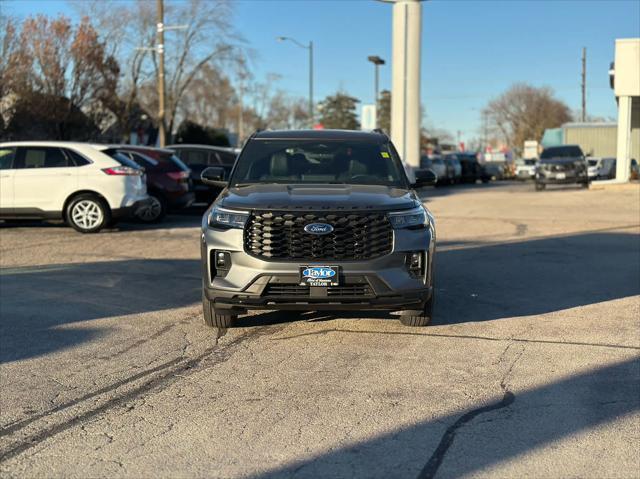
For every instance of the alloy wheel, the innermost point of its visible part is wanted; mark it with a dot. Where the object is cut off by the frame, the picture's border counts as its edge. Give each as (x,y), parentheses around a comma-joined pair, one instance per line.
(87,214)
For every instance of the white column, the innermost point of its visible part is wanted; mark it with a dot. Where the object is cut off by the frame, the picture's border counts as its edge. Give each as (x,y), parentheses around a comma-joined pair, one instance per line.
(405,84)
(623,148)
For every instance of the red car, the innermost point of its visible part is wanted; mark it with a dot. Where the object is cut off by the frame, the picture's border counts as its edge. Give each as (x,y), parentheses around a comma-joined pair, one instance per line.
(168,180)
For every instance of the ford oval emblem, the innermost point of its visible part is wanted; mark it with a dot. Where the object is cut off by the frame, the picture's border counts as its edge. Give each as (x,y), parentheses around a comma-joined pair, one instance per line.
(318,228)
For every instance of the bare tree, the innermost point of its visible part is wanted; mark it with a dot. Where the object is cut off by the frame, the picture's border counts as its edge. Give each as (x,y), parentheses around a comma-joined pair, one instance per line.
(128,36)
(207,39)
(211,100)
(56,69)
(523,113)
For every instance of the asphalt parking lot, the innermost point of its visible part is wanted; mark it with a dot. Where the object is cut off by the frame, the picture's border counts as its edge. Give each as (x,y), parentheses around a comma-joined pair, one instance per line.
(531,367)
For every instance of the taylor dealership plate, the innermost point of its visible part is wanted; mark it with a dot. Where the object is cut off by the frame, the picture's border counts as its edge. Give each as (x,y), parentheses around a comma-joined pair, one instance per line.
(319,276)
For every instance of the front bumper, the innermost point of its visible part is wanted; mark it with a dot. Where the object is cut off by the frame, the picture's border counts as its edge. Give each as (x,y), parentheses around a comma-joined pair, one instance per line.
(380,283)
(129,211)
(554,179)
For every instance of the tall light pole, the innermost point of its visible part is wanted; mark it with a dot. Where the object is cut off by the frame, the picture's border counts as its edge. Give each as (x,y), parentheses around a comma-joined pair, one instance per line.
(310,48)
(377,61)
(162,134)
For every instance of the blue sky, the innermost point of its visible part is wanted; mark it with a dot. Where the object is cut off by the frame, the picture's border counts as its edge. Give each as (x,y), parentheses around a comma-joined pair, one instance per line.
(472,50)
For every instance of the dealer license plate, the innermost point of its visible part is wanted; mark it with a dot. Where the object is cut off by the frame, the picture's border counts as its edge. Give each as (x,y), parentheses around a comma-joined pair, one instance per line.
(319,276)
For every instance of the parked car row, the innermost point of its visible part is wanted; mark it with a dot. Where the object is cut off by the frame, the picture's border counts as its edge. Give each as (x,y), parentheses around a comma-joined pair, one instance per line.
(456,168)
(91,186)
(605,169)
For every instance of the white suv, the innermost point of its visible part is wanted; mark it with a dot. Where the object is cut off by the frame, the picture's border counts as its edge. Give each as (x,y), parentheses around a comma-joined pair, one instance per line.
(70,181)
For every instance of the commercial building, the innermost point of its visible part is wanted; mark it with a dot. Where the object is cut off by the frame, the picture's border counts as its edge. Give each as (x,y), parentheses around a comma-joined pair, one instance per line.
(625,81)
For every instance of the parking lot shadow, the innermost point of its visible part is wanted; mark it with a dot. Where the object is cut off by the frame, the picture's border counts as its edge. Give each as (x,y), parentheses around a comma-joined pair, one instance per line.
(35,302)
(486,282)
(485,434)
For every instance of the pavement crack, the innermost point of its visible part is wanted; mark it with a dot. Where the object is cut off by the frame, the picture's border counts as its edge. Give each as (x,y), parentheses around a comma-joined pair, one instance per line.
(431,468)
(435,461)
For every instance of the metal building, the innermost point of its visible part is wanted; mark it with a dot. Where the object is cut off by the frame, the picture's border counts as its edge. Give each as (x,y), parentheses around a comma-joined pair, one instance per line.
(595,139)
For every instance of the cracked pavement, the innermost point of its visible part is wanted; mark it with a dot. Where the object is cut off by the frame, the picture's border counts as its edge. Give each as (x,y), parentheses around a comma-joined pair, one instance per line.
(531,367)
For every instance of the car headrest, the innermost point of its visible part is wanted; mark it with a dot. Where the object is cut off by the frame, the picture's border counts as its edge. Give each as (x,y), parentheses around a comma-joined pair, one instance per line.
(279,165)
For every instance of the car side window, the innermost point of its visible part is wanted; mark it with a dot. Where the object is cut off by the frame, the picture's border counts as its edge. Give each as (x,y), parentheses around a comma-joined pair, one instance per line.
(76,158)
(6,158)
(195,158)
(214,159)
(43,157)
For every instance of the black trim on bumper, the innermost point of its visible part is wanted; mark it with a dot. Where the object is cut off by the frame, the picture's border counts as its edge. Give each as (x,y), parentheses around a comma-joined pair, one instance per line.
(241,301)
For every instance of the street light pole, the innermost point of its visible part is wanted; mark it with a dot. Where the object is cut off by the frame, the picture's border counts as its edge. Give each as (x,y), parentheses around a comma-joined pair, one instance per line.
(377,61)
(160,50)
(310,48)
(311,83)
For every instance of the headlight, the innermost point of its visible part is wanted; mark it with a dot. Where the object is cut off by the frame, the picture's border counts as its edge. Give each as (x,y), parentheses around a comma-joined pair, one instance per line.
(414,218)
(223,218)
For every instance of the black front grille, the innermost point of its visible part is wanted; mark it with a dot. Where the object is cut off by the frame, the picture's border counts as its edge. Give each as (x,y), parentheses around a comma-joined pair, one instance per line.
(295,290)
(286,290)
(281,236)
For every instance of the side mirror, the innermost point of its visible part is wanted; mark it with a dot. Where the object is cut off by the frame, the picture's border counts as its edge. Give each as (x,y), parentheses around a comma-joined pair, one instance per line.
(425,178)
(213,176)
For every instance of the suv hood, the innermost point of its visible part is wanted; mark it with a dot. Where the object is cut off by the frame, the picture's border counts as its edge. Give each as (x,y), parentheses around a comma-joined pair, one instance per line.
(559,161)
(318,197)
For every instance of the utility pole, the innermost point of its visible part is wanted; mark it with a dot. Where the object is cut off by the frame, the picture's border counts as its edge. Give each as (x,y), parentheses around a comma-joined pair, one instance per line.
(160,51)
(584,84)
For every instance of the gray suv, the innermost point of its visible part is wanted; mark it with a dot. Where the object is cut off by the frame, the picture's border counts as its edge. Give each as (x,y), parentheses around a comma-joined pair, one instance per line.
(317,220)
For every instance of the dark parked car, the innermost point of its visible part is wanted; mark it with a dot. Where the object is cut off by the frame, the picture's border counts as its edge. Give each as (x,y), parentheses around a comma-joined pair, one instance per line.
(472,170)
(168,179)
(199,157)
(454,168)
(562,165)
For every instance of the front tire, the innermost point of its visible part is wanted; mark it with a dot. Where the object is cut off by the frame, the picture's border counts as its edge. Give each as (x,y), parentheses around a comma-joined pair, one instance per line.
(87,213)
(215,319)
(422,319)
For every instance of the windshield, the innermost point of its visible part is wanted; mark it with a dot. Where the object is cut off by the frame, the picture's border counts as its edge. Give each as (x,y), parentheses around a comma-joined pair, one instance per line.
(318,161)
(530,162)
(561,152)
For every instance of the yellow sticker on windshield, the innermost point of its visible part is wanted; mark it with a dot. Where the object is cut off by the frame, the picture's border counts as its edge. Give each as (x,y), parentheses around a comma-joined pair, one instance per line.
(385,154)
